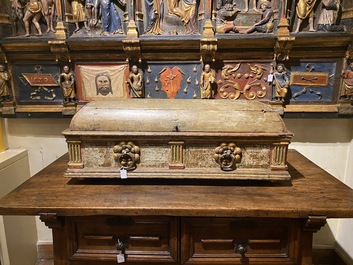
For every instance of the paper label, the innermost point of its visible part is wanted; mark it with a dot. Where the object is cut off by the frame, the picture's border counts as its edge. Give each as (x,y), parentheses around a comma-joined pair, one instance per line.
(270,78)
(123,173)
(120,258)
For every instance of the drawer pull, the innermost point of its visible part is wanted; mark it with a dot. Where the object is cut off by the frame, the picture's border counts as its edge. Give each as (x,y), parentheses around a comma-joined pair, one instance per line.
(240,247)
(120,244)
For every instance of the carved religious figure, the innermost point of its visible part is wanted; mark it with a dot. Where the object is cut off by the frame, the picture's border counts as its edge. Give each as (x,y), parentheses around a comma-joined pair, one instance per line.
(4,84)
(226,13)
(170,79)
(91,9)
(281,82)
(305,10)
(207,81)
(135,82)
(253,5)
(49,13)
(154,10)
(17,14)
(265,24)
(111,22)
(33,14)
(327,20)
(347,86)
(67,84)
(78,15)
(187,12)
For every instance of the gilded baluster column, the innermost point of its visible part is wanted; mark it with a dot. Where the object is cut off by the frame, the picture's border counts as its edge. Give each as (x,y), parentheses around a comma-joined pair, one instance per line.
(61,31)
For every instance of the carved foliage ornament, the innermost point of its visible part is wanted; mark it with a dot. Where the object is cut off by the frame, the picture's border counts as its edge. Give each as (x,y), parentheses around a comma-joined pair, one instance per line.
(227,155)
(127,155)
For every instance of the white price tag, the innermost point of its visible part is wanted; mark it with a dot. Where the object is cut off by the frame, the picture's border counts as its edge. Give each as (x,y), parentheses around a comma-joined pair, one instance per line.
(120,258)
(270,78)
(123,173)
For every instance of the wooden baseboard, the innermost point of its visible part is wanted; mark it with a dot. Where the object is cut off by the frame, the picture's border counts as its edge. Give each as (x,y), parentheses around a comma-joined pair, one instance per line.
(45,250)
(321,256)
(330,256)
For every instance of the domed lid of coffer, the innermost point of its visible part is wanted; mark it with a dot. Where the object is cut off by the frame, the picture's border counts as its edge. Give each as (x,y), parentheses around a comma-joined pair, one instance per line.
(177,116)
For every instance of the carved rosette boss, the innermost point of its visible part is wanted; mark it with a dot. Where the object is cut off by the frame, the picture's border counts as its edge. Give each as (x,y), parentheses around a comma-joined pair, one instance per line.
(227,156)
(127,155)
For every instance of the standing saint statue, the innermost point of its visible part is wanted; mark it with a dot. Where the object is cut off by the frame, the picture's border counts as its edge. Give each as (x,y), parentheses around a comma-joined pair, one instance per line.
(4,85)
(67,84)
(207,80)
(281,82)
(135,82)
(347,86)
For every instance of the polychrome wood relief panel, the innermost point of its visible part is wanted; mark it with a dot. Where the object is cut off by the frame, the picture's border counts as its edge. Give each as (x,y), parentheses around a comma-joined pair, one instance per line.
(173,80)
(37,84)
(100,81)
(312,82)
(294,55)
(246,80)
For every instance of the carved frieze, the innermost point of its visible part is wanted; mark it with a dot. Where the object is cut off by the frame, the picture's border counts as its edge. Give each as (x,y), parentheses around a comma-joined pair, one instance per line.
(244,80)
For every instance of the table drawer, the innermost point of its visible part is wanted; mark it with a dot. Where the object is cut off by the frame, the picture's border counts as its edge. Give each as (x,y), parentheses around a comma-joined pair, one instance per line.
(239,241)
(151,239)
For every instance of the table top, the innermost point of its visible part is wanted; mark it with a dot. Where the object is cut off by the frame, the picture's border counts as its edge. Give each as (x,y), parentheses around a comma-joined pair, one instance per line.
(311,191)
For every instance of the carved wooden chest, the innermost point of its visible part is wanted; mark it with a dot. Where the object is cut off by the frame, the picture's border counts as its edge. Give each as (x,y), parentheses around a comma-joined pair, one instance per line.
(148,138)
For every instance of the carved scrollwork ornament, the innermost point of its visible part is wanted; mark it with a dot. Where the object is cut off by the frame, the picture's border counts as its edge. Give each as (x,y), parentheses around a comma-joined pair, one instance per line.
(127,155)
(132,50)
(227,156)
(283,46)
(60,49)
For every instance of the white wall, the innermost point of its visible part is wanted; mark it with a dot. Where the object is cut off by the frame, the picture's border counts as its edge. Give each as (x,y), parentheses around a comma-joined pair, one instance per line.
(44,142)
(327,142)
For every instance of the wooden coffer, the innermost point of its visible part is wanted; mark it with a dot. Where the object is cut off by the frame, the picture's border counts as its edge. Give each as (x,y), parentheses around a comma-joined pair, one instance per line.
(148,138)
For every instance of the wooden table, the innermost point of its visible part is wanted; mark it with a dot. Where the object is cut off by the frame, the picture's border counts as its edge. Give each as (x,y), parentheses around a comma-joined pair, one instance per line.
(183,221)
